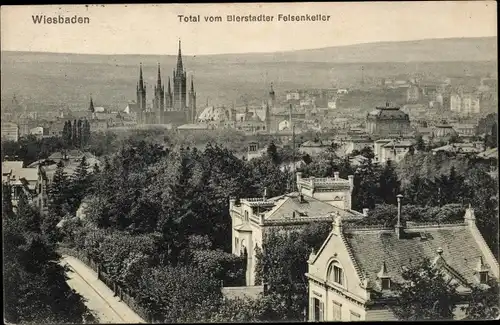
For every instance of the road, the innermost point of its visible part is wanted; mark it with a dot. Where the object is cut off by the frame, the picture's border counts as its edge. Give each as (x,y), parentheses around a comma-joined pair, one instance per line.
(99,298)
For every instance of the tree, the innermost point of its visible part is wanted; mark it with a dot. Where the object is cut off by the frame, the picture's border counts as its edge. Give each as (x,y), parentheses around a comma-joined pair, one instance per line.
(425,294)
(483,302)
(365,193)
(80,131)
(34,281)
(420,145)
(272,153)
(389,184)
(74,134)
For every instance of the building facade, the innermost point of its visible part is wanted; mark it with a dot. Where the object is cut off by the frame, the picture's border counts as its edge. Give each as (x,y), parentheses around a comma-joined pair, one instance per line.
(352,276)
(387,121)
(317,199)
(10,132)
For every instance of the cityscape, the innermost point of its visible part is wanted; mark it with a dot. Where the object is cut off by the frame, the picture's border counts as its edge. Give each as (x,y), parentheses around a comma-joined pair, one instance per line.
(338,183)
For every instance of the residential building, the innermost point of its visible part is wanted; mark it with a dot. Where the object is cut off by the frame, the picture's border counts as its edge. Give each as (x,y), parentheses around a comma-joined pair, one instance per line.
(347,146)
(461,148)
(313,148)
(20,179)
(10,132)
(352,276)
(393,150)
(387,121)
(413,94)
(316,200)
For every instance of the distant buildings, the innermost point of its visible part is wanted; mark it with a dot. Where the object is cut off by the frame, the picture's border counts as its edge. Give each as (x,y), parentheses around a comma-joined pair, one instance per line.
(10,132)
(353,275)
(393,150)
(387,121)
(465,103)
(317,199)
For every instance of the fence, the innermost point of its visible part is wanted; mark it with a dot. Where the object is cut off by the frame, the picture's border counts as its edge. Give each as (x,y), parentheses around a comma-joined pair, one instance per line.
(125,294)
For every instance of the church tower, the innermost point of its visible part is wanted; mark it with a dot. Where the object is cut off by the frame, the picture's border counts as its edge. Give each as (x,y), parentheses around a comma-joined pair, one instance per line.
(272,97)
(192,103)
(179,103)
(91,109)
(141,98)
(268,119)
(168,97)
(159,101)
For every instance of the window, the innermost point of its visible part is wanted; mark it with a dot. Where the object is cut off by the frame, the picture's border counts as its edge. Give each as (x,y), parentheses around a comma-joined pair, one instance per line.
(483,277)
(386,283)
(236,243)
(246,215)
(338,275)
(318,310)
(337,311)
(355,317)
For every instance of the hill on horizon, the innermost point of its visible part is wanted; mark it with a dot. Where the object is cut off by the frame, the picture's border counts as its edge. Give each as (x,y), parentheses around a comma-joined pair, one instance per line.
(69,79)
(429,50)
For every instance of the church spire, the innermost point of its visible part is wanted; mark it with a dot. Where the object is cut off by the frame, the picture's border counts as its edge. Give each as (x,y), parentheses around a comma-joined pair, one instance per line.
(159,76)
(91,106)
(169,90)
(141,81)
(179,59)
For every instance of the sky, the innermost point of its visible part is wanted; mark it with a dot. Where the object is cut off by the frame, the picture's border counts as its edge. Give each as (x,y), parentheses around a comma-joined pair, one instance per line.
(156,29)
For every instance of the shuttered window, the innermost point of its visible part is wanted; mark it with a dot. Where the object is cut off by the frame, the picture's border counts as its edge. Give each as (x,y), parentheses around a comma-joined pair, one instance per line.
(337,311)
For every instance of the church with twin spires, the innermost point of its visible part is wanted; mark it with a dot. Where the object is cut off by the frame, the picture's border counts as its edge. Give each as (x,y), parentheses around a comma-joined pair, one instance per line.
(173,105)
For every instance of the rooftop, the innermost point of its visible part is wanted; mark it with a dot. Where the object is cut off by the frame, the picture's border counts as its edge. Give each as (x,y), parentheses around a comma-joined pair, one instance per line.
(372,247)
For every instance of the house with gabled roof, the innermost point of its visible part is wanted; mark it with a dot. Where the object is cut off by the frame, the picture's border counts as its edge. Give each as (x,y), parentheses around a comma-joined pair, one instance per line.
(353,275)
(316,200)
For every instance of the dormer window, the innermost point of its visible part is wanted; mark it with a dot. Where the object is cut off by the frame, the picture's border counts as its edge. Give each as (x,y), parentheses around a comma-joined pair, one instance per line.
(482,271)
(483,277)
(336,273)
(385,283)
(384,278)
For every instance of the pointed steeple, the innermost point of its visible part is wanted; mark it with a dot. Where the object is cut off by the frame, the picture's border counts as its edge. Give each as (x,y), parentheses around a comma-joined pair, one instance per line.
(91,106)
(179,60)
(159,76)
(141,81)
(169,88)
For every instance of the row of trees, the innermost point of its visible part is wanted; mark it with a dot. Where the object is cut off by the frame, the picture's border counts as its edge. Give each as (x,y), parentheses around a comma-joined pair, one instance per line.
(76,134)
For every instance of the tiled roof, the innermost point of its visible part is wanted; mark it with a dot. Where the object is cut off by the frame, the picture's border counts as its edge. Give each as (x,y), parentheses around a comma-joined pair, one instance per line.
(11,165)
(287,204)
(371,248)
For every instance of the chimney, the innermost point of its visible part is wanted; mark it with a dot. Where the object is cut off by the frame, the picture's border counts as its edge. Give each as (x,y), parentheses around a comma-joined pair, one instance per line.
(351,181)
(365,212)
(232,202)
(469,217)
(265,193)
(336,175)
(299,178)
(399,225)
(337,224)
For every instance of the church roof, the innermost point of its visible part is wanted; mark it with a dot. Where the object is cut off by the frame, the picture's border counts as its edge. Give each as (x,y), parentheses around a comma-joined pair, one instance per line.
(371,247)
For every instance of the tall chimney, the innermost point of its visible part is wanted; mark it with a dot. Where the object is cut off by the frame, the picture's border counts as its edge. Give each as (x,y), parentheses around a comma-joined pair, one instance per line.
(399,225)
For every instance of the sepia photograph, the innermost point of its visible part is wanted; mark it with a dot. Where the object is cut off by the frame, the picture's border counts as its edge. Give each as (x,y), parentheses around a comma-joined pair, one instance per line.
(250,162)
